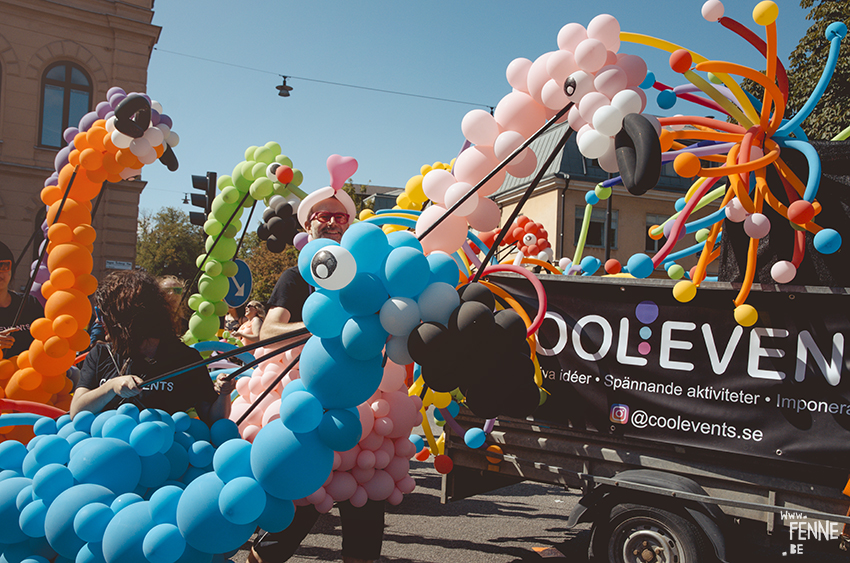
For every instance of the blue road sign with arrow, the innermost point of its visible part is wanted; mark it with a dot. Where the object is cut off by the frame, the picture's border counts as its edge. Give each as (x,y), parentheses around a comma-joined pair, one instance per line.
(241,285)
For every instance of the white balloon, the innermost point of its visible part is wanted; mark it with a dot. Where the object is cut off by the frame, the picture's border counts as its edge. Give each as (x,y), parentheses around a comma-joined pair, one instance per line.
(479,127)
(435,183)
(110,124)
(173,139)
(121,140)
(712,10)
(594,144)
(627,101)
(608,120)
(148,157)
(455,193)
(154,136)
(166,130)
(156,106)
(608,162)
(139,146)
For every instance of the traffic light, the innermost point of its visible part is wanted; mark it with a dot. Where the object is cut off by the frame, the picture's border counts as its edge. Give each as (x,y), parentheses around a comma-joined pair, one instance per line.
(206,184)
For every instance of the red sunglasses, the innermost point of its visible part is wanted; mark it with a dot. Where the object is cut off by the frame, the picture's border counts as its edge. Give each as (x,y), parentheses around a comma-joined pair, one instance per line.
(326,216)
(6,265)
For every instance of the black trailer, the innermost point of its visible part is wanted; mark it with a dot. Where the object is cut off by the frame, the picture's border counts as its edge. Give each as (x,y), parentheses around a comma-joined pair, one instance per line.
(679,426)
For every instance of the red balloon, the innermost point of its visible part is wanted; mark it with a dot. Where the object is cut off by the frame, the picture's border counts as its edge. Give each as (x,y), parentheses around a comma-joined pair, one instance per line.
(531,250)
(443,464)
(531,227)
(521,221)
(284,174)
(613,266)
(517,234)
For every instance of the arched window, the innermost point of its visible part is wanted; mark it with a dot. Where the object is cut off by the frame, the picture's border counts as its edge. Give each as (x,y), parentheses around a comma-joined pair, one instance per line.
(65,98)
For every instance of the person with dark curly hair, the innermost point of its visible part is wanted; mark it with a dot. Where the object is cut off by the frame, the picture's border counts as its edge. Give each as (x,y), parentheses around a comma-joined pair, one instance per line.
(143,344)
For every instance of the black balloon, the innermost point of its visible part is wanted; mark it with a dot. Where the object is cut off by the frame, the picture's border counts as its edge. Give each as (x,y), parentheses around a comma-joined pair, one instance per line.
(133,115)
(638,152)
(477,292)
(279,224)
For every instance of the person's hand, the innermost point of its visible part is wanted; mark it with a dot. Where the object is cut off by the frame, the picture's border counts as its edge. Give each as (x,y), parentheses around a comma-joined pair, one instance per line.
(224,386)
(126,385)
(6,340)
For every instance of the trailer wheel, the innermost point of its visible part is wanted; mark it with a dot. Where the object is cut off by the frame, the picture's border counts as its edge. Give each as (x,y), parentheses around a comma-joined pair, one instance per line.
(636,533)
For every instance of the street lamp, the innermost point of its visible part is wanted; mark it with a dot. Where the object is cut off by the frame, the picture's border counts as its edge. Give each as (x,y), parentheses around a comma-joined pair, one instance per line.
(283,90)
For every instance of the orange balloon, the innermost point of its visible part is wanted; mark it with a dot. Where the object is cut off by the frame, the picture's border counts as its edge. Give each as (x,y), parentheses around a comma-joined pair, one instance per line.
(74,158)
(24,360)
(42,329)
(53,383)
(68,302)
(62,278)
(44,363)
(75,257)
(667,139)
(60,233)
(95,137)
(51,195)
(687,165)
(110,164)
(83,188)
(80,141)
(65,326)
(73,214)
(160,150)
(84,234)
(86,283)
(80,340)
(114,178)
(109,145)
(65,402)
(97,176)
(91,159)
(28,379)
(2,396)
(7,369)
(50,246)
(47,289)
(15,392)
(125,158)
(56,346)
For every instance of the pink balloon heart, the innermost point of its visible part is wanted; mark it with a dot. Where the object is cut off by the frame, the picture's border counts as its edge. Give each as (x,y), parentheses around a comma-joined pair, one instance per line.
(341,168)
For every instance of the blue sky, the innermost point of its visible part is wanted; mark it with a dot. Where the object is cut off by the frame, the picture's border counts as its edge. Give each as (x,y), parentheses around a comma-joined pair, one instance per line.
(217,63)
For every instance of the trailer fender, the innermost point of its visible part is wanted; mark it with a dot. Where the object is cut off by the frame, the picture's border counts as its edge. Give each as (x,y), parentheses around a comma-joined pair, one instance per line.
(707,516)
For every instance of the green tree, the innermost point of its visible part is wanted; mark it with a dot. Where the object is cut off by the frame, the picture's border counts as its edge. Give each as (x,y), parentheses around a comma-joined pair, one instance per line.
(832,113)
(167,243)
(265,266)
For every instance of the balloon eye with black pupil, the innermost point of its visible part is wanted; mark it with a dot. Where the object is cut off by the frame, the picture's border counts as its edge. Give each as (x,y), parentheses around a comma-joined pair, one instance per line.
(323,265)
(570,86)
(271,170)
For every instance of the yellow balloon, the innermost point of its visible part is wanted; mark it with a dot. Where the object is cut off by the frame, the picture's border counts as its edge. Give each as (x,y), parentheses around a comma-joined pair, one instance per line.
(746,315)
(365,214)
(684,291)
(425,169)
(440,400)
(765,13)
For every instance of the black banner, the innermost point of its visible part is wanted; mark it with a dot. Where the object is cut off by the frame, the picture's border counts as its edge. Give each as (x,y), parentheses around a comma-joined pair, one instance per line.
(623,357)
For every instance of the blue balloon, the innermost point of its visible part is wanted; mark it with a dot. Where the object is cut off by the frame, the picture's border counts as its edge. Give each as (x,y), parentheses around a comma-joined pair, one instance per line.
(155,470)
(364,337)
(340,429)
(368,244)
(242,500)
(406,272)
(91,521)
(300,411)
(167,435)
(12,454)
(443,268)
(182,421)
(99,421)
(640,266)
(200,520)
(147,438)
(51,480)
(305,257)
(222,431)
(45,425)
(178,459)
(10,531)
(63,420)
(52,449)
(123,537)
(32,519)
(129,409)
(123,501)
(108,462)
(648,81)
(59,523)
(201,454)
(76,437)
(24,497)
(417,441)
(474,438)
(438,302)
(277,515)
(292,387)
(163,544)
(163,504)
(399,239)
(184,439)
(198,430)
(323,314)
(827,241)
(335,378)
(90,553)
(119,426)
(680,204)
(289,465)
(589,265)
(150,415)
(666,99)
(591,198)
(233,459)
(364,295)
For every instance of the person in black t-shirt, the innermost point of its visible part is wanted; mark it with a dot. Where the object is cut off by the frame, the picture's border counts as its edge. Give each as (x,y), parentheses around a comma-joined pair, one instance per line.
(14,339)
(143,345)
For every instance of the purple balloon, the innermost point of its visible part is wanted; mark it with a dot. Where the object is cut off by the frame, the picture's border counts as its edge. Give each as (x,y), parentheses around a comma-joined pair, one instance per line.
(155,117)
(300,240)
(115,90)
(88,120)
(109,114)
(165,120)
(51,180)
(102,108)
(116,99)
(61,158)
(70,133)
(145,96)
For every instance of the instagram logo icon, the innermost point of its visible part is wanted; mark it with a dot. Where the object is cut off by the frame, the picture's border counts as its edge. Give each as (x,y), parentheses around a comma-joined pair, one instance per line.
(619,414)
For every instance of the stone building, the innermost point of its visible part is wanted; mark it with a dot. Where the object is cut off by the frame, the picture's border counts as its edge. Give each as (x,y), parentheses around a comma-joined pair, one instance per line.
(58,58)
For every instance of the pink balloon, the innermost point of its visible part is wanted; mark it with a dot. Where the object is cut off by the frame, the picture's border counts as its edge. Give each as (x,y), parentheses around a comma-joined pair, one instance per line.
(506,143)
(581,85)
(783,271)
(608,161)
(517,73)
(388,447)
(380,486)
(479,127)
(249,432)
(366,459)
(606,29)
(610,58)
(553,95)
(592,102)
(371,442)
(255,385)
(560,65)
(757,225)
(395,497)
(404,447)
(570,36)
(383,426)
(398,468)
(367,418)
(242,386)
(380,408)
(610,80)
(591,55)
(525,167)
(317,496)
(381,459)
(363,475)
(269,375)
(575,119)
(486,216)
(272,412)
(436,182)
(337,461)
(403,413)
(359,497)
(473,164)
(448,236)
(342,486)
(634,67)
(458,191)
(341,168)
(348,459)
(325,506)
(393,378)
(407,485)
(519,112)
(538,76)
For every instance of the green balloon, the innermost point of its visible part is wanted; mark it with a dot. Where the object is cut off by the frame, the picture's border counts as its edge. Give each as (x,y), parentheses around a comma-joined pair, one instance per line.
(281,189)
(248,170)
(212,227)
(262,188)
(602,193)
(232,230)
(229,268)
(224,250)
(231,194)
(297,177)
(213,288)
(259,170)
(203,328)
(264,155)
(249,152)
(701,235)
(239,180)
(206,309)
(283,159)
(224,181)
(220,309)
(188,339)
(274,147)
(194,301)
(675,272)
(224,211)
(213,267)
(713,78)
